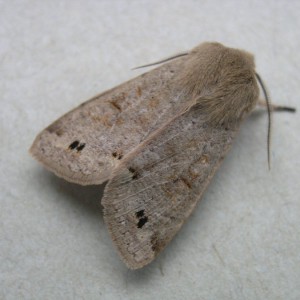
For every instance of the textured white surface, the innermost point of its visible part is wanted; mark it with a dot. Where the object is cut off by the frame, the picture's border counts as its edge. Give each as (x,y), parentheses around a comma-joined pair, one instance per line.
(243,240)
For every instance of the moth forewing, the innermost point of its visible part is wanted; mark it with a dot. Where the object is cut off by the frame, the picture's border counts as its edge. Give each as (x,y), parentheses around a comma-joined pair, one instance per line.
(84,145)
(159,138)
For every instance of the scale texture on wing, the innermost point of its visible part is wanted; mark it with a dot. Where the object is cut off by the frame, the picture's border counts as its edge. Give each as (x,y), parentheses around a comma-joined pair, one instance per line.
(84,145)
(156,187)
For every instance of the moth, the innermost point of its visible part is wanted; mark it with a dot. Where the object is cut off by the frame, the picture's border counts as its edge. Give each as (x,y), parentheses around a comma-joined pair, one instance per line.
(157,139)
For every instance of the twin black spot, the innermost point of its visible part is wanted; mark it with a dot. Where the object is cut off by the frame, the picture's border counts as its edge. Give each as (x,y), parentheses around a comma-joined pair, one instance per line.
(117,155)
(142,218)
(77,145)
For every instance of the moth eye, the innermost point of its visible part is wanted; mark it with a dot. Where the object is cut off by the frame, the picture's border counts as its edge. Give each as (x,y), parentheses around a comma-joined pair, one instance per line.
(74,145)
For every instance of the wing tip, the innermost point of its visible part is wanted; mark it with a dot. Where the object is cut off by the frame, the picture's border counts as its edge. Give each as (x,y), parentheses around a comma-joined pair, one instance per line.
(53,166)
(134,260)
(127,257)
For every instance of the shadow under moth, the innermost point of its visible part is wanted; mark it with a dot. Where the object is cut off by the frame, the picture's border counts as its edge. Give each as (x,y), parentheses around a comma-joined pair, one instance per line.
(157,139)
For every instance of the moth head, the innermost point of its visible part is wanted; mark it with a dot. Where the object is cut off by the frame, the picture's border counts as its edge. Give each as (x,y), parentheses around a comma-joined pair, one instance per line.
(221,82)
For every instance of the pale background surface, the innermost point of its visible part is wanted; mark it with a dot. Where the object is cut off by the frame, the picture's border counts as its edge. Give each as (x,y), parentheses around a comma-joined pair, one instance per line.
(243,240)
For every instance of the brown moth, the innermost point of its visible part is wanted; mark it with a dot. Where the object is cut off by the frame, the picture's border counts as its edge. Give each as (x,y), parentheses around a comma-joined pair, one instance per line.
(158,139)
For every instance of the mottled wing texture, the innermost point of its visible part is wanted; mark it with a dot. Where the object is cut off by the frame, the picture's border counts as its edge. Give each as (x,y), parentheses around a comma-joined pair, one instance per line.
(84,145)
(157,186)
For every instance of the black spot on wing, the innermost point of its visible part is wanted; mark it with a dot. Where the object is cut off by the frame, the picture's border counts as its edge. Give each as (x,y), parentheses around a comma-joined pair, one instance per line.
(142,221)
(77,145)
(135,174)
(80,147)
(140,213)
(74,145)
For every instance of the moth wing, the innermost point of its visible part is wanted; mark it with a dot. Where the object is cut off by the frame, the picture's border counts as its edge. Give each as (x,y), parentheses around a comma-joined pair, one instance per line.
(84,145)
(155,189)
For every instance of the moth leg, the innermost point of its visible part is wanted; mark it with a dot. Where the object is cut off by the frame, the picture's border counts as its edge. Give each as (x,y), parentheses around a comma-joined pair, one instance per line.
(274,107)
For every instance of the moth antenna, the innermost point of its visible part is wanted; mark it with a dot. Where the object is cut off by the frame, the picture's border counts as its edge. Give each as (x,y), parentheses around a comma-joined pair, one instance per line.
(278,108)
(268,103)
(163,60)
(283,108)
